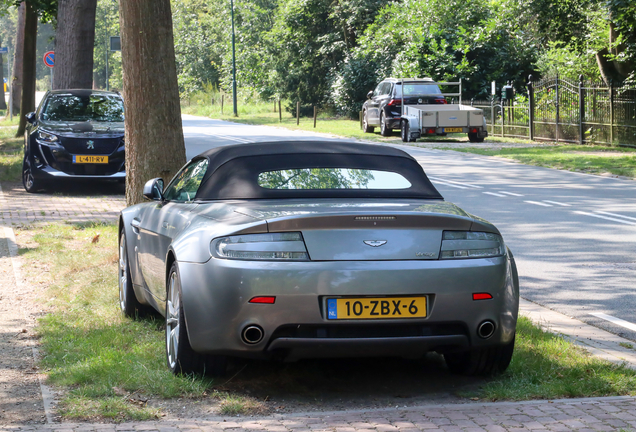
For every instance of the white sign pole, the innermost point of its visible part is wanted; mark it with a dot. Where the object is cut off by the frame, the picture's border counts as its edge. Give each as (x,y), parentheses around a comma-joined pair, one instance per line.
(10,83)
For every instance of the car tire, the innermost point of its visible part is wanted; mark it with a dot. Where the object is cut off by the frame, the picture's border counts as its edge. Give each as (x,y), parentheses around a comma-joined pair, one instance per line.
(475,138)
(365,124)
(128,303)
(384,130)
(481,362)
(31,185)
(180,356)
(404,131)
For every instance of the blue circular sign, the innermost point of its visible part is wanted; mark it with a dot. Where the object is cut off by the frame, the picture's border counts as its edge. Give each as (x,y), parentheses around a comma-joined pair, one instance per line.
(49,59)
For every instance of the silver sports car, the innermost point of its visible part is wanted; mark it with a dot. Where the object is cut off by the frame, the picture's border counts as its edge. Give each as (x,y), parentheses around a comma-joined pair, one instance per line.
(294,250)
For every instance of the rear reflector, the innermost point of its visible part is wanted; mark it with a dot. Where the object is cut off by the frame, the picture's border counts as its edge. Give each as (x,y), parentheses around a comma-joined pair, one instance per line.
(431,131)
(473,130)
(263,300)
(481,296)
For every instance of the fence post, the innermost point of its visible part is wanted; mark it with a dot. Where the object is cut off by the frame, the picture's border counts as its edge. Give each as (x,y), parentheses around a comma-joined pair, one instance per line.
(314,116)
(557,107)
(531,107)
(274,105)
(611,90)
(581,109)
(297,113)
(280,113)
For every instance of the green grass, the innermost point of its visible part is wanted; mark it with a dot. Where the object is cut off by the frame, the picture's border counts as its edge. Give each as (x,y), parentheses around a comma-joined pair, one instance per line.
(107,363)
(588,159)
(90,349)
(545,366)
(10,154)
(4,119)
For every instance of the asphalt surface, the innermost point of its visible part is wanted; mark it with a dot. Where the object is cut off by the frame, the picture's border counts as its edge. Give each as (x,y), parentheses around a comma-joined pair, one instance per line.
(573,235)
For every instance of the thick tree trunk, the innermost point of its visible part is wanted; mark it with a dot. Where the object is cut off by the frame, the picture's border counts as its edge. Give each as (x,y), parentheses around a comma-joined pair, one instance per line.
(3,102)
(16,75)
(74,44)
(154,136)
(28,65)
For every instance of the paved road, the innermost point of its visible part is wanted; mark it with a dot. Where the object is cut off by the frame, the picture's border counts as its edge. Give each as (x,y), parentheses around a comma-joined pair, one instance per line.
(574,235)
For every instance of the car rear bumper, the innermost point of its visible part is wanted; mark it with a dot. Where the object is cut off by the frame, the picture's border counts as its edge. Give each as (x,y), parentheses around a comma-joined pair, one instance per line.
(216,298)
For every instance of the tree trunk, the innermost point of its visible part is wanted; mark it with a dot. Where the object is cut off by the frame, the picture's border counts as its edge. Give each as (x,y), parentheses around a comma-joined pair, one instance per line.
(28,65)
(74,43)
(154,136)
(3,102)
(16,75)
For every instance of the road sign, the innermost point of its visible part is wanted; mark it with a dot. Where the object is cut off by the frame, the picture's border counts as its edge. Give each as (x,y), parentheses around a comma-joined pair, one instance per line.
(49,59)
(115,43)
(4,50)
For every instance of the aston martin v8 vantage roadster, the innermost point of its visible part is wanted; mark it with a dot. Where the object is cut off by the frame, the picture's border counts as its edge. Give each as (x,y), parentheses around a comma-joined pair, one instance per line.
(293,250)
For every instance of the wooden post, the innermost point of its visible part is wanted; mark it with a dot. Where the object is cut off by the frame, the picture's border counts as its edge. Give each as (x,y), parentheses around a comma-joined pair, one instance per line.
(274,105)
(297,113)
(611,90)
(280,113)
(531,106)
(314,116)
(581,109)
(222,100)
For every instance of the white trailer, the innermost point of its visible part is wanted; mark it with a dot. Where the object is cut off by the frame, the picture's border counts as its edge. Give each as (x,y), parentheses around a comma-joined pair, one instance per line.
(429,120)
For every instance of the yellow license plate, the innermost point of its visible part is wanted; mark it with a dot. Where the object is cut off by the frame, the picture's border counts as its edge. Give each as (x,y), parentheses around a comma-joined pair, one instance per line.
(453,130)
(90,159)
(376,308)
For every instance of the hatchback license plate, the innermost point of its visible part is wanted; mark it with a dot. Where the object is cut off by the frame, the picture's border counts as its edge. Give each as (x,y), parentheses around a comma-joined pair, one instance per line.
(90,159)
(453,130)
(376,308)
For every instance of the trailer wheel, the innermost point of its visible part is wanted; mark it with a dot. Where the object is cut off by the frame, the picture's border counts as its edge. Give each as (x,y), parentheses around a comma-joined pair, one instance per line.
(475,138)
(406,131)
(365,124)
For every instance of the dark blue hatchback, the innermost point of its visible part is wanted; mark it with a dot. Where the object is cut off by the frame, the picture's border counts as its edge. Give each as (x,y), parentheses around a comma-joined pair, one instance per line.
(74,134)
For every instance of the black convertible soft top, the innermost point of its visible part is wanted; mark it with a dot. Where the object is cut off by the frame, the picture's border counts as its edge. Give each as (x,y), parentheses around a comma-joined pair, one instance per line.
(233,170)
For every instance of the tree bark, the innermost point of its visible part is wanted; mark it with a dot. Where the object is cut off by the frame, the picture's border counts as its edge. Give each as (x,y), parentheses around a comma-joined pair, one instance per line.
(74,43)
(3,102)
(16,75)
(154,136)
(28,63)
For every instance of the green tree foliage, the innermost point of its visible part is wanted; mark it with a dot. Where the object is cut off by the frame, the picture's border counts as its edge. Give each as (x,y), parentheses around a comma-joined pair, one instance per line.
(107,25)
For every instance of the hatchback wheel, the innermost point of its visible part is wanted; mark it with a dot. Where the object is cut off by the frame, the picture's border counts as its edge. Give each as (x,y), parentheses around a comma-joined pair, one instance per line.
(365,124)
(384,129)
(180,356)
(29,182)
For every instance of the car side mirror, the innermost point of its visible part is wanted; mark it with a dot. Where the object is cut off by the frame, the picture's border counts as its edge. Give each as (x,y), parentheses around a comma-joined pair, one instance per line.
(370,94)
(153,189)
(30,117)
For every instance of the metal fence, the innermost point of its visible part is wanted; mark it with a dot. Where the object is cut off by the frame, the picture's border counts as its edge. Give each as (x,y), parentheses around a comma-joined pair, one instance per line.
(563,111)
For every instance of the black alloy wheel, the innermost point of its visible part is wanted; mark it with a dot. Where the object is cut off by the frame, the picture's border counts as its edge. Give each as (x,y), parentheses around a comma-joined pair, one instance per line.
(29,182)
(384,130)
(365,123)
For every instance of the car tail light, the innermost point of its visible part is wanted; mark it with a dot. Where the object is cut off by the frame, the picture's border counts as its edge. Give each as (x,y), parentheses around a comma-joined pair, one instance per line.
(441,101)
(288,246)
(395,102)
(469,244)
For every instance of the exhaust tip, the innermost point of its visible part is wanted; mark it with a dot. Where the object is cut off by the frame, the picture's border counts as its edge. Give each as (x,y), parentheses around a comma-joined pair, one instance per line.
(486,329)
(252,334)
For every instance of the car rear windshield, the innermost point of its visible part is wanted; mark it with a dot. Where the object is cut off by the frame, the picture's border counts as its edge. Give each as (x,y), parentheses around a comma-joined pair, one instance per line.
(332,178)
(104,108)
(417,89)
(317,175)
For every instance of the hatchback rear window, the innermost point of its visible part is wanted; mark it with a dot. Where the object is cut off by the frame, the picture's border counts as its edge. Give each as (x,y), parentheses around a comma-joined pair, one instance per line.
(417,89)
(332,178)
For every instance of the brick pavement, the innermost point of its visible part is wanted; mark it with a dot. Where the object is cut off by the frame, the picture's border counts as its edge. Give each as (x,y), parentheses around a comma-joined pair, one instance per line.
(85,203)
(582,415)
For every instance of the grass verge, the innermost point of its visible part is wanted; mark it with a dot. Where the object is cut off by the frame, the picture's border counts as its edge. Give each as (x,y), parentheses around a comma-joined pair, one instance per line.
(101,358)
(109,366)
(10,154)
(588,159)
